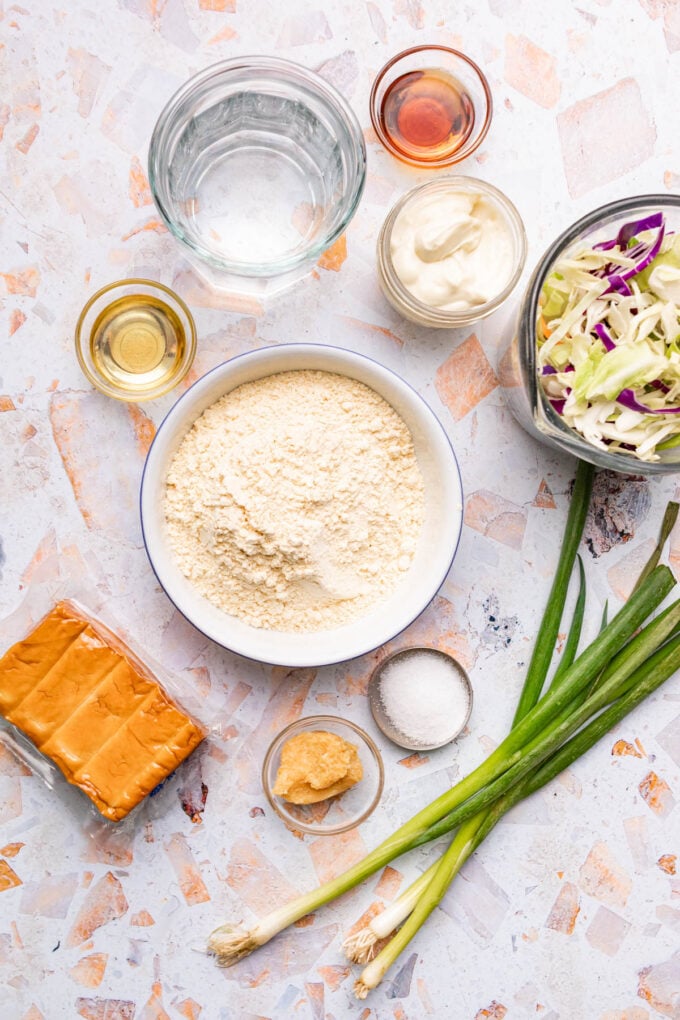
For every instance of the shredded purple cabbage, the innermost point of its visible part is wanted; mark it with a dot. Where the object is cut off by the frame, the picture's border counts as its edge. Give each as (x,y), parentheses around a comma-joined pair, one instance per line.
(629,400)
(604,336)
(643,253)
(629,230)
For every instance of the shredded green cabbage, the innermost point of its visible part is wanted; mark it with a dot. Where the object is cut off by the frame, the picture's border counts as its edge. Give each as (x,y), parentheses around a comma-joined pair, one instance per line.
(590,380)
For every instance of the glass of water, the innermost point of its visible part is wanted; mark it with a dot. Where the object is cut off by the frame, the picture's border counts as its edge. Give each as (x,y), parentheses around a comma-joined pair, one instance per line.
(257,166)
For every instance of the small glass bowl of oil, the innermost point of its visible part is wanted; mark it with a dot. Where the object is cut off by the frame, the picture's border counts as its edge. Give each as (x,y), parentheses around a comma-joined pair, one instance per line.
(431,106)
(135,339)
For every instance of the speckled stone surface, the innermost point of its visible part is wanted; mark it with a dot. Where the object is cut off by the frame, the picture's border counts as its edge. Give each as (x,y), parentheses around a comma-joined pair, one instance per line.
(571,909)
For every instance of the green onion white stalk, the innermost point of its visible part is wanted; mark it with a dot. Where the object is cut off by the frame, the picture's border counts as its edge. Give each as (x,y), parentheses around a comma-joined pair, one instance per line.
(434,883)
(533,747)
(647,669)
(229,943)
(360,947)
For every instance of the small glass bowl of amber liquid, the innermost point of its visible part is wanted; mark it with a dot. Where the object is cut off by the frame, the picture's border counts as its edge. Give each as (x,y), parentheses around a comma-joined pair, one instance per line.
(431,106)
(135,340)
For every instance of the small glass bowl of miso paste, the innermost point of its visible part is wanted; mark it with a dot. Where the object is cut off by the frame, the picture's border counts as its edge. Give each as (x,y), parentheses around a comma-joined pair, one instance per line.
(135,339)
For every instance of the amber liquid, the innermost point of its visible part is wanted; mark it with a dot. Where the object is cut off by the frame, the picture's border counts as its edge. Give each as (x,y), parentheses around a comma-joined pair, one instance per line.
(137,343)
(427,115)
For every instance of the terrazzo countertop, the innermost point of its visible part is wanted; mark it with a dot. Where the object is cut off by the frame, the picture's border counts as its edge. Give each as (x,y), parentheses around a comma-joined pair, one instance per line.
(571,909)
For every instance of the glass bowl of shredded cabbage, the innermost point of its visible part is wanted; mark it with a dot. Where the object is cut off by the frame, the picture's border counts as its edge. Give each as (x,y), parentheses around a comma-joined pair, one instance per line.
(594,366)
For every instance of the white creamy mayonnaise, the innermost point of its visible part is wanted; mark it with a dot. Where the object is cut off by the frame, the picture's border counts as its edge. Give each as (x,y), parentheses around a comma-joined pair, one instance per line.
(452,249)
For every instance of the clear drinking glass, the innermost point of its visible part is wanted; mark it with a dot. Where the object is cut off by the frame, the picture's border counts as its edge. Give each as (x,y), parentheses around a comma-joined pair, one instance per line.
(517,369)
(257,166)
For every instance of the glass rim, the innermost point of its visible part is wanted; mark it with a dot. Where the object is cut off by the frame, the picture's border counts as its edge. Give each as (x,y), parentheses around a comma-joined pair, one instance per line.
(465,150)
(300,725)
(174,300)
(545,418)
(275,68)
(439,316)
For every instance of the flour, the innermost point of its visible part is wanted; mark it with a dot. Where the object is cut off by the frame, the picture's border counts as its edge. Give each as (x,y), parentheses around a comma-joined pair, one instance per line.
(295,502)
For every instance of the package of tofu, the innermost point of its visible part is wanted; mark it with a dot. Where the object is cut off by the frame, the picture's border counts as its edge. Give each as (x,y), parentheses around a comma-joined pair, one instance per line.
(85,705)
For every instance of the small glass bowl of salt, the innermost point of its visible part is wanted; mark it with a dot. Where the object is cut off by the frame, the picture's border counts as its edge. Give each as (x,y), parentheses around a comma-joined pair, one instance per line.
(421,698)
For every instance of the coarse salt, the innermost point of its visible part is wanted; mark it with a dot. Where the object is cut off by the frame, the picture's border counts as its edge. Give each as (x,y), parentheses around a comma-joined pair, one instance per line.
(425,696)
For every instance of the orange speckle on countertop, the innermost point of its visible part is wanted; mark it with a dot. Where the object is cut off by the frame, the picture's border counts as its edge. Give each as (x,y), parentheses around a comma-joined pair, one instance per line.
(11,849)
(24,144)
(607,116)
(333,975)
(104,902)
(602,877)
(8,877)
(371,911)
(224,35)
(623,747)
(227,6)
(565,910)
(142,919)
(7,404)
(494,1011)
(5,112)
(315,997)
(372,328)
(531,71)
(89,971)
(496,517)
(305,922)
(658,985)
(332,855)
(465,378)
(193,887)
(334,256)
(667,863)
(139,190)
(189,1009)
(656,794)
(16,320)
(145,430)
(105,1009)
(33,1013)
(154,1009)
(259,979)
(22,281)
(256,879)
(154,225)
(388,885)
(413,761)
(544,498)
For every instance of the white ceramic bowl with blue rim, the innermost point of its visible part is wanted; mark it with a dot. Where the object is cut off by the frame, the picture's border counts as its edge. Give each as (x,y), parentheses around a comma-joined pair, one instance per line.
(436,547)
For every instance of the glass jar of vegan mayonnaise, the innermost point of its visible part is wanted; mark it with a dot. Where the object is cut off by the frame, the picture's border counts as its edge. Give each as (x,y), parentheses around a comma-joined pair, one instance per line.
(450,252)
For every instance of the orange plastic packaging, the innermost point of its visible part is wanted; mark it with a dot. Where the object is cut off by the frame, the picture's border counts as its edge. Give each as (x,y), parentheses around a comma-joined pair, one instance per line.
(88,703)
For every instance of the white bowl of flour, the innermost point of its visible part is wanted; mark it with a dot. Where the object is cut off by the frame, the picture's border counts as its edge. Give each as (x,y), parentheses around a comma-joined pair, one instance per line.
(301,504)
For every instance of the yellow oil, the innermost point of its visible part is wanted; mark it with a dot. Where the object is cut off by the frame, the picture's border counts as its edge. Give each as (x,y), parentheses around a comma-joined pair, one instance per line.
(137,343)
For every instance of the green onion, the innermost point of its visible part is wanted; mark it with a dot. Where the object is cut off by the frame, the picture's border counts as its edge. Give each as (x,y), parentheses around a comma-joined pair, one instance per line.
(432,885)
(574,636)
(550,623)
(525,754)
(667,525)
